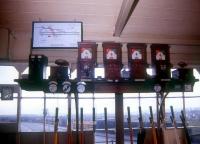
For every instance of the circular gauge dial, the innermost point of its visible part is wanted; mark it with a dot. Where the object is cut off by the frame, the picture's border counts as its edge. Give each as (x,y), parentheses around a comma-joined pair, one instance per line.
(53,87)
(157,88)
(81,87)
(66,87)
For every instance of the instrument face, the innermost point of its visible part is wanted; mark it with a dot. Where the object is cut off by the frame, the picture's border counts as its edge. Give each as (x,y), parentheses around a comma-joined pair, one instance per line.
(81,88)
(53,86)
(66,87)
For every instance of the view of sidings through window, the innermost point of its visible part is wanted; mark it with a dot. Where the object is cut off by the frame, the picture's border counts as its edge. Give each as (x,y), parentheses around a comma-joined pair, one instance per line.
(38,109)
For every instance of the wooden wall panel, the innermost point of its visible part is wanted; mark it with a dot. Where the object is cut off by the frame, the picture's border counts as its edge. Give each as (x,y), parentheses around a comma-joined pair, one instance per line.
(21,48)
(3,43)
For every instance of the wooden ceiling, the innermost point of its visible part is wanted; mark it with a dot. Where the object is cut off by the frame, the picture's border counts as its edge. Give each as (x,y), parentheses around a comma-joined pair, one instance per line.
(152,21)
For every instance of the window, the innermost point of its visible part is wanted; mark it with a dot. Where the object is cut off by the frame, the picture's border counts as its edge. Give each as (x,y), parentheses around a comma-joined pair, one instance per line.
(38,109)
(8,111)
(8,75)
(32,115)
(8,108)
(174,99)
(51,105)
(86,102)
(131,100)
(104,100)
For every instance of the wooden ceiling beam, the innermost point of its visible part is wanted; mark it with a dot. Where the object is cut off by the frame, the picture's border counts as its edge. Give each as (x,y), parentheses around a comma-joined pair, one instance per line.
(126,10)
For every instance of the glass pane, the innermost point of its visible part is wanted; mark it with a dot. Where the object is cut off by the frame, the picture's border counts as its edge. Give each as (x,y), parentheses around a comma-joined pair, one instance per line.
(86,95)
(177,104)
(133,103)
(145,104)
(147,95)
(193,117)
(8,110)
(51,105)
(56,95)
(104,95)
(87,105)
(32,115)
(129,95)
(8,75)
(99,73)
(32,94)
(73,74)
(134,110)
(192,111)
(100,104)
(175,94)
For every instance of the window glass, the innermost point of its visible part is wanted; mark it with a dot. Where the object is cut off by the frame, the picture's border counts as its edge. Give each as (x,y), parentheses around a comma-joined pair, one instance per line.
(32,94)
(100,104)
(130,95)
(32,115)
(193,117)
(145,104)
(131,101)
(8,110)
(192,111)
(8,75)
(104,101)
(85,95)
(104,95)
(32,110)
(177,104)
(147,95)
(73,74)
(99,73)
(175,94)
(51,105)
(56,95)
(32,107)
(87,105)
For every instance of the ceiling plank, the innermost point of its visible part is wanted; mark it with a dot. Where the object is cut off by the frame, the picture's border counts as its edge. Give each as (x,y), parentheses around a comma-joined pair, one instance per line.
(127,8)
